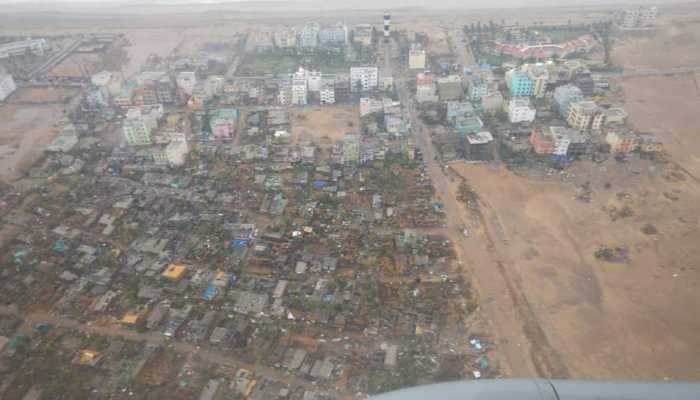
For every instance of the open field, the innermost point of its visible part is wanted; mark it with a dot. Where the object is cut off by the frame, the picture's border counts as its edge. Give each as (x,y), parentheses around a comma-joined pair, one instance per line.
(46,94)
(27,129)
(78,65)
(606,320)
(323,126)
(674,43)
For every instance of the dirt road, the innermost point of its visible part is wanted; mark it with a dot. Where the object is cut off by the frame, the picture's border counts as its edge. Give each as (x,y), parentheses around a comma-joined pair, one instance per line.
(521,341)
(157,339)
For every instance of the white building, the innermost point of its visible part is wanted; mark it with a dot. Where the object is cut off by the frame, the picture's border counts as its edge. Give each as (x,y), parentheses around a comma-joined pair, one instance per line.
(539,75)
(362,34)
(285,94)
(638,18)
(7,86)
(364,78)
(369,105)
(314,79)
(214,86)
(327,92)
(286,38)
(140,122)
(174,153)
(186,80)
(308,38)
(416,57)
(561,140)
(520,110)
(300,87)
(333,36)
(426,93)
(34,46)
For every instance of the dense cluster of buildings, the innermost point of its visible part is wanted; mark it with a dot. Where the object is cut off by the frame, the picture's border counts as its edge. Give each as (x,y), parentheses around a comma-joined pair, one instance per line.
(637,18)
(560,108)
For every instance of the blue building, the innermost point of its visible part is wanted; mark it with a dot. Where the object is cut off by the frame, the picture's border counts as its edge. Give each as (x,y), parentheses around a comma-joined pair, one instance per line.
(520,84)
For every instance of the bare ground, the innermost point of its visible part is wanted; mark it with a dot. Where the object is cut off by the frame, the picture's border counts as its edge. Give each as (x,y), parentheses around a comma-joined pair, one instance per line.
(605,320)
(323,125)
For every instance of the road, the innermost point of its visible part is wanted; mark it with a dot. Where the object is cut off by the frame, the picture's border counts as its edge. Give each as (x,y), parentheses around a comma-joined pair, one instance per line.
(56,59)
(464,54)
(638,72)
(521,341)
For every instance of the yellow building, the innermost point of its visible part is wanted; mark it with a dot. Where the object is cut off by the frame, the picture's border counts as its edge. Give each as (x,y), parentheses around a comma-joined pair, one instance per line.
(416,58)
(130,318)
(174,271)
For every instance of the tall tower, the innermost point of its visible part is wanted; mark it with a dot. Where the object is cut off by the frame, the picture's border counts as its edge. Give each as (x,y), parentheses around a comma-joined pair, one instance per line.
(387,22)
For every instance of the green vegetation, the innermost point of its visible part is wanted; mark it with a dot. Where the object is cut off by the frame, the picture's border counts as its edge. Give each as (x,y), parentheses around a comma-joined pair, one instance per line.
(276,62)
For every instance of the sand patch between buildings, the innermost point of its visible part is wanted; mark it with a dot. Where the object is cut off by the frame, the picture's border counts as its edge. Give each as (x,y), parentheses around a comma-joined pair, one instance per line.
(323,125)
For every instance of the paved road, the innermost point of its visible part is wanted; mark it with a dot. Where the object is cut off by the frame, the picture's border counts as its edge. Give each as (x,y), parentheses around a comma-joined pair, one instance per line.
(464,54)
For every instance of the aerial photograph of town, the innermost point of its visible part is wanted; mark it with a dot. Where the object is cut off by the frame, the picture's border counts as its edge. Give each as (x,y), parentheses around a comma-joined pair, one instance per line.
(318,200)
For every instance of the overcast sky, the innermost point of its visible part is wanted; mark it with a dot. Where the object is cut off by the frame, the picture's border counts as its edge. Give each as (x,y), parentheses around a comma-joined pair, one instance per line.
(341,4)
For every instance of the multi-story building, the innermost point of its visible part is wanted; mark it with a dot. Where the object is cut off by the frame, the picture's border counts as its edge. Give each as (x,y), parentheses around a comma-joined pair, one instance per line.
(7,86)
(477,87)
(33,46)
(416,57)
(585,115)
(615,116)
(386,83)
(450,88)
(314,80)
(286,38)
(327,92)
(564,96)
(186,80)
(492,102)
(364,78)
(468,125)
(285,94)
(308,38)
(621,141)
(520,110)
(140,122)
(458,109)
(519,83)
(478,146)
(335,36)
(223,123)
(173,153)
(424,79)
(426,93)
(362,34)
(638,18)
(539,76)
(300,87)
(553,140)
(369,105)
(166,90)
(214,86)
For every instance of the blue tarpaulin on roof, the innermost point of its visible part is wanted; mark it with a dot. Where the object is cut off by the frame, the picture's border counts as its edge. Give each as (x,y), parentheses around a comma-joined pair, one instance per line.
(238,243)
(210,293)
(320,184)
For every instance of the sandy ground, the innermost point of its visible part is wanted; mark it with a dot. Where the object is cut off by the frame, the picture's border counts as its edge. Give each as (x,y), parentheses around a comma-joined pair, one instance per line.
(668,106)
(77,65)
(673,44)
(323,126)
(27,129)
(606,320)
(43,95)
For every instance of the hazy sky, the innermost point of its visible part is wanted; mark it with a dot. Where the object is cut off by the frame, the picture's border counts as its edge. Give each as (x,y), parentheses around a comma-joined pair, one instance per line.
(278,5)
